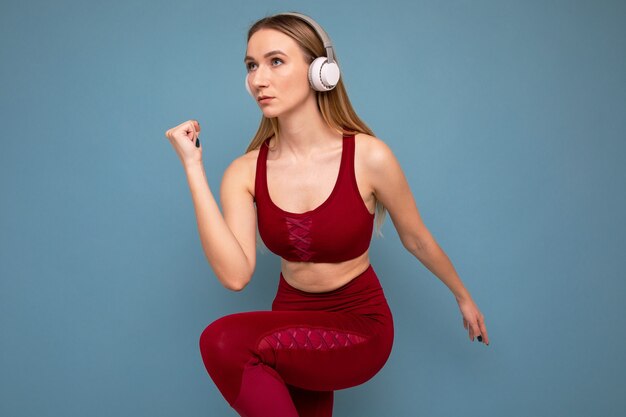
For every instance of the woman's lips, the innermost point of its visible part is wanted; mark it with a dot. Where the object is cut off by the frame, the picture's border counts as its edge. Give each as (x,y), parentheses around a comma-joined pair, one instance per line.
(265,100)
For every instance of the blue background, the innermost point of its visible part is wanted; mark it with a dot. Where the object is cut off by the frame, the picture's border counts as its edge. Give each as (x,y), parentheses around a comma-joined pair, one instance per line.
(508,118)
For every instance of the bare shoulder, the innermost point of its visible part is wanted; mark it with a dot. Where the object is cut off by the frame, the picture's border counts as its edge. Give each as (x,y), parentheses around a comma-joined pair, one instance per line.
(241,171)
(245,162)
(372,152)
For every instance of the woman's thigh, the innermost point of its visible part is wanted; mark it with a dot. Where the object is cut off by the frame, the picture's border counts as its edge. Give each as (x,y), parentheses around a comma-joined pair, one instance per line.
(313,350)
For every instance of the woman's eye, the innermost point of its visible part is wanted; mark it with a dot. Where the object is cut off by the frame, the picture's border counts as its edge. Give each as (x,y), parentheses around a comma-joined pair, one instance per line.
(276,61)
(250,66)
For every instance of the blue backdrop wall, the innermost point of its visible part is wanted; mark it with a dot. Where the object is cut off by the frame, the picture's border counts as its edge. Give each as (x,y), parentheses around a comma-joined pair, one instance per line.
(508,117)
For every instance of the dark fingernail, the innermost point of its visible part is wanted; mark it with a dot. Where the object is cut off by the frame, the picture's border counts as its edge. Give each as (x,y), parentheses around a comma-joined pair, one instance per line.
(197,142)
(480,338)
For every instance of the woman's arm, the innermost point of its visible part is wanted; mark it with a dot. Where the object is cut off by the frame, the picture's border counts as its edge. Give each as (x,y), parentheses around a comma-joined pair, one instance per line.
(228,241)
(391,188)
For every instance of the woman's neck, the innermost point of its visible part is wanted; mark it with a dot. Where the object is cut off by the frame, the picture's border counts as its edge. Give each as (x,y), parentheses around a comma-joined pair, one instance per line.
(304,131)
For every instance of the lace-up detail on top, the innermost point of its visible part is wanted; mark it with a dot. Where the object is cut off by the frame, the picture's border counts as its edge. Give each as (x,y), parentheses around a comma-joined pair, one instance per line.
(300,236)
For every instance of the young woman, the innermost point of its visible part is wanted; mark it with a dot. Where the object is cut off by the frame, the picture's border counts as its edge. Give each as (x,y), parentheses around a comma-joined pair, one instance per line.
(313,178)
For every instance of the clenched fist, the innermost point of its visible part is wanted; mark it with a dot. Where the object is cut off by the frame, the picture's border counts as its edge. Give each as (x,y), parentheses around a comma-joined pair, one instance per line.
(184,138)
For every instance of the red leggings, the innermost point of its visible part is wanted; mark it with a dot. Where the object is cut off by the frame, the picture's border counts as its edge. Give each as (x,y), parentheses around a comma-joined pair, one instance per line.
(287,362)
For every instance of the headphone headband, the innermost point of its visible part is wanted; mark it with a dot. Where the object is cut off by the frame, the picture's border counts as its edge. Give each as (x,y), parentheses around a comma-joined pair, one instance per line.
(330,53)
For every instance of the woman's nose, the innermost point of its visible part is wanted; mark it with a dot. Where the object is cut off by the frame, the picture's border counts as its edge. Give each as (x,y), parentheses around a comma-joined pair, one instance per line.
(259,78)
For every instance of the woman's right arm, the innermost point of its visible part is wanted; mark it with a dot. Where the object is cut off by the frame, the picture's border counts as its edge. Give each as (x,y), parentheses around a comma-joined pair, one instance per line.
(228,241)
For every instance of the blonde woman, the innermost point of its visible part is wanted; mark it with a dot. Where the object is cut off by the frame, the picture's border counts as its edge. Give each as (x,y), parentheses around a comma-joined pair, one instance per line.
(314,178)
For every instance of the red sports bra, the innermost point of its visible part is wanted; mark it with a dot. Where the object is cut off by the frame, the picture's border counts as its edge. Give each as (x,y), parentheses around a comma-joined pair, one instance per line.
(337,230)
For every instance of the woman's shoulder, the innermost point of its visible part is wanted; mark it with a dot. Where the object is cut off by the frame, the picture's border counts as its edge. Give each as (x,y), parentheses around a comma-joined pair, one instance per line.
(371,150)
(245,163)
(365,140)
(242,170)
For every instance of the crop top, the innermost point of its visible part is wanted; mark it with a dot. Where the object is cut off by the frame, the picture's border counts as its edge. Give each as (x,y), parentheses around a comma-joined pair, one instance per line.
(337,230)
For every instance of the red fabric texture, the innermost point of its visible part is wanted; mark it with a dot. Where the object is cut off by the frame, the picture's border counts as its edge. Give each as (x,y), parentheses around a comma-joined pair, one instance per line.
(337,230)
(307,338)
(287,362)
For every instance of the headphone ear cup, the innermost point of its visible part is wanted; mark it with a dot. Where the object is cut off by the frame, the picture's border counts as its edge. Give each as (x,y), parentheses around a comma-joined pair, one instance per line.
(248,86)
(322,75)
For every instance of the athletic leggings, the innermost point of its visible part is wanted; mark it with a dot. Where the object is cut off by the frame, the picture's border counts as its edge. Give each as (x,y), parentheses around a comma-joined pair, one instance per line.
(287,362)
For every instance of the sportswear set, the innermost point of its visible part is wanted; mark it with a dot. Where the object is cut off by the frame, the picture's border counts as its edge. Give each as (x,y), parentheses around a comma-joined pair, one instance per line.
(288,361)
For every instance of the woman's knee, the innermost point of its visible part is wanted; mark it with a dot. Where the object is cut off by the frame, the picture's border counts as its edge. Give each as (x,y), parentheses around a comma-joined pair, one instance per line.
(214,341)
(226,342)
(226,348)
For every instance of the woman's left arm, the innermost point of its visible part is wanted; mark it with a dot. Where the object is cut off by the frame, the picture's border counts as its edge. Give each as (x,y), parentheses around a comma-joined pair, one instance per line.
(391,188)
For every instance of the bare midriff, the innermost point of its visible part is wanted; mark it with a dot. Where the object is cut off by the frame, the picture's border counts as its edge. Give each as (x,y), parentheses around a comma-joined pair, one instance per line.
(323,277)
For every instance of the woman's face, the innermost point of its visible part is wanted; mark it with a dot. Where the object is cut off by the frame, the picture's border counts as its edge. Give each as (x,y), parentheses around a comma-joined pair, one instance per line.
(277,73)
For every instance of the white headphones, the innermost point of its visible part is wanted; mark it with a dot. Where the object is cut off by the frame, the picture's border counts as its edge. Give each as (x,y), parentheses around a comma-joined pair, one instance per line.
(323,72)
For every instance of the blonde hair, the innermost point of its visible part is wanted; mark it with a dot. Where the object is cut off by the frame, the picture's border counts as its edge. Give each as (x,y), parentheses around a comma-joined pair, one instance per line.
(334,105)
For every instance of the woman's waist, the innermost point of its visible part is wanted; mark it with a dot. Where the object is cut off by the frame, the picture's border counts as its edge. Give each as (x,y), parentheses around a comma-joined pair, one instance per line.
(316,277)
(362,294)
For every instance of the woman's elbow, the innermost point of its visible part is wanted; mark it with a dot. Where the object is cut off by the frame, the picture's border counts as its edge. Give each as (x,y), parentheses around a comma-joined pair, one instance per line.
(235,283)
(415,245)
(234,279)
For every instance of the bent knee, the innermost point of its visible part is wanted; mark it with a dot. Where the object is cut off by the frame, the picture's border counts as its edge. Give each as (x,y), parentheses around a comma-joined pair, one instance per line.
(227,342)
(214,340)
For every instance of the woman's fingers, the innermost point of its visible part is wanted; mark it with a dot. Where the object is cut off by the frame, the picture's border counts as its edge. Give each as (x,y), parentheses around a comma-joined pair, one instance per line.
(474,330)
(479,330)
(196,125)
(473,321)
(483,330)
(185,140)
(190,128)
(196,133)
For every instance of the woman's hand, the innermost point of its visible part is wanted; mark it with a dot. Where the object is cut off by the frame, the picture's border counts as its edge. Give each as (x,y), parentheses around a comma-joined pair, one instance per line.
(184,138)
(473,320)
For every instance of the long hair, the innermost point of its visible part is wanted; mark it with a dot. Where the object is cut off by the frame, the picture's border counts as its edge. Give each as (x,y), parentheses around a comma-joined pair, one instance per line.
(334,105)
